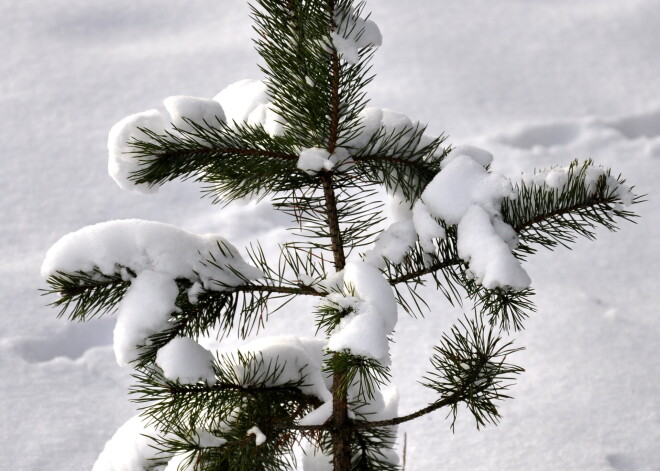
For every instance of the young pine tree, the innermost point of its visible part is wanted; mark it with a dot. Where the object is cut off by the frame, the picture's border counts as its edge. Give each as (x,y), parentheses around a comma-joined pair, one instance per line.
(304,140)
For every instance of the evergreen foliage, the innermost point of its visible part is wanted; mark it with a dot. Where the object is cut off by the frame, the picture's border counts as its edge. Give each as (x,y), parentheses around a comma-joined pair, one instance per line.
(317,93)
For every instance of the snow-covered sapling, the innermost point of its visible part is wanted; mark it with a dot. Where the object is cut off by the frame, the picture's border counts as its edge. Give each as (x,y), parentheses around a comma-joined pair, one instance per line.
(304,140)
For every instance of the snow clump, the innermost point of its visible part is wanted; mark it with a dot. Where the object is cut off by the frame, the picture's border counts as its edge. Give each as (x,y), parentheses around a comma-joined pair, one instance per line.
(300,360)
(186,361)
(466,194)
(184,109)
(259,437)
(122,163)
(354,33)
(370,298)
(314,159)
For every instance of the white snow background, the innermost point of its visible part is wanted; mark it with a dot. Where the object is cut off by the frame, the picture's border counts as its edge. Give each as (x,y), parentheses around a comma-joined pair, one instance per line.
(536,83)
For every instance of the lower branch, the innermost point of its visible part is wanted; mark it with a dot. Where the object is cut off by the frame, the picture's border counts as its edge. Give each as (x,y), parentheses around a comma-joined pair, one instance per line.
(447,401)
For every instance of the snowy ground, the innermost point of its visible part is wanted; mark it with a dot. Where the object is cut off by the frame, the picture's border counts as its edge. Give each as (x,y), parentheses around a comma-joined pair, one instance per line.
(537,83)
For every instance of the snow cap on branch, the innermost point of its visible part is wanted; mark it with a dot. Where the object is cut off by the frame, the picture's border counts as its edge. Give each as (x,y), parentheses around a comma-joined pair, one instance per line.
(148,245)
(301,359)
(364,331)
(198,110)
(466,194)
(122,163)
(247,102)
(186,361)
(143,311)
(157,255)
(354,33)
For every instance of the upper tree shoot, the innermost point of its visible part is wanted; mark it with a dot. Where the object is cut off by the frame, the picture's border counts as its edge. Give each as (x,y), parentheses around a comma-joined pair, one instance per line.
(305,140)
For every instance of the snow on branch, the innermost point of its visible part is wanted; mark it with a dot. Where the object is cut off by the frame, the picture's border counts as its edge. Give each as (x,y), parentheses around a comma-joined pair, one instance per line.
(353,34)
(151,259)
(367,312)
(554,206)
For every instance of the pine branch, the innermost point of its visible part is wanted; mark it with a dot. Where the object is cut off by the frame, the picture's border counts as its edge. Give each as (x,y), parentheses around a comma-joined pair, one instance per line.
(471,366)
(402,160)
(245,382)
(231,162)
(551,216)
(86,295)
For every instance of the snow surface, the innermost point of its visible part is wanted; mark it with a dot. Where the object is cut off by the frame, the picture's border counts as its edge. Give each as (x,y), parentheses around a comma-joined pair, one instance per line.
(536,83)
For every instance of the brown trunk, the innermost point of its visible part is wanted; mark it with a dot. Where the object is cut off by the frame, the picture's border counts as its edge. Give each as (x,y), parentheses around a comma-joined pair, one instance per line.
(341,432)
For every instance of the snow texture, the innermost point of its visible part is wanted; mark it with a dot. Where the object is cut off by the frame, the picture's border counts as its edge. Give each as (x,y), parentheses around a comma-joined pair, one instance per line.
(365,331)
(299,358)
(243,102)
(392,244)
(177,463)
(186,361)
(315,460)
(62,395)
(247,101)
(557,177)
(374,119)
(462,183)
(208,440)
(426,226)
(318,416)
(147,245)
